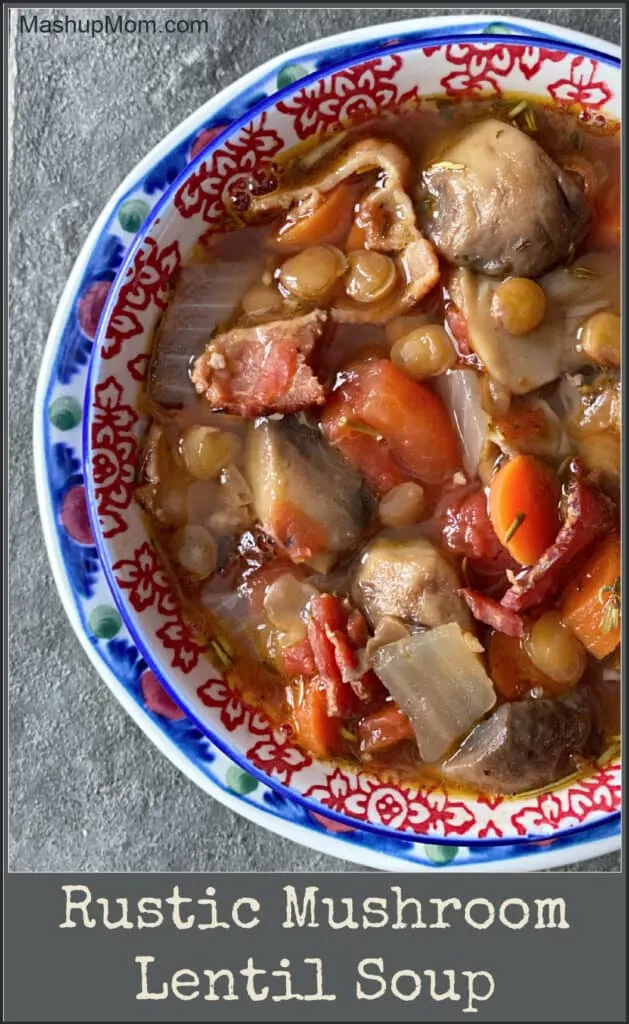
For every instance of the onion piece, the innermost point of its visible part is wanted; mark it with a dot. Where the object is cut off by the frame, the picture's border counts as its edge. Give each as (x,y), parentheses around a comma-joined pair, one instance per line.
(461,392)
(205,295)
(439,683)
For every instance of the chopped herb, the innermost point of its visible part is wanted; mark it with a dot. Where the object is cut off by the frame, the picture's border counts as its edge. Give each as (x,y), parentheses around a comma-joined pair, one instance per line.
(221,653)
(517,110)
(609,597)
(515,526)
(225,644)
(347,735)
(361,428)
(528,120)
(582,273)
(576,140)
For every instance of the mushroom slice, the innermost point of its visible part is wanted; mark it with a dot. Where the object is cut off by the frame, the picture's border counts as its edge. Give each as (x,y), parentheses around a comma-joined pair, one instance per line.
(410,580)
(525,363)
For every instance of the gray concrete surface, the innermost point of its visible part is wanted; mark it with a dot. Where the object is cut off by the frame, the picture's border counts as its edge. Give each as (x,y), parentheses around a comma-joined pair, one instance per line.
(88,791)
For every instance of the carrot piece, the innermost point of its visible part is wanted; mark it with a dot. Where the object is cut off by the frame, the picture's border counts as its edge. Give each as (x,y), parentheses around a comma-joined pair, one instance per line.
(591,602)
(512,671)
(392,427)
(370,454)
(523,507)
(327,223)
(374,461)
(315,730)
(413,420)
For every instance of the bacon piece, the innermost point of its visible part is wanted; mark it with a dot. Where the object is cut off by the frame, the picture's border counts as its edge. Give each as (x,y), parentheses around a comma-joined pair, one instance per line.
(298,659)
(357,629)
(493,614)
(589,515)
(468,532)
(337,660)
(254,371)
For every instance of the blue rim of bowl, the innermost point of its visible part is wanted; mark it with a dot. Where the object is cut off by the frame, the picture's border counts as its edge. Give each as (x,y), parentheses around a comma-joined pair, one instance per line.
(144,650)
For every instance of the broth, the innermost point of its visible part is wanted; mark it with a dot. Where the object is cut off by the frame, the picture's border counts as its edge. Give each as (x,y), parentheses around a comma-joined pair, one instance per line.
(383,457)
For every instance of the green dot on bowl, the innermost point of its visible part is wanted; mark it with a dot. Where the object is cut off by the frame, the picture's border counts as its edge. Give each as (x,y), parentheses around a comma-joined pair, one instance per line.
(440,854)
(132,214)
(497,28)
(239,781)
(104,622)
(289,74)
(65,412)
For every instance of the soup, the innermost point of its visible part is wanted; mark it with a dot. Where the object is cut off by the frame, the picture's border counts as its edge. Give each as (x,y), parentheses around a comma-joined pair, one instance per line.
(383,449)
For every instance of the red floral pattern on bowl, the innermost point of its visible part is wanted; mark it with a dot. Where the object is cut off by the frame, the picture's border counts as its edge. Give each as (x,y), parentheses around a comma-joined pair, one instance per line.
(346,797)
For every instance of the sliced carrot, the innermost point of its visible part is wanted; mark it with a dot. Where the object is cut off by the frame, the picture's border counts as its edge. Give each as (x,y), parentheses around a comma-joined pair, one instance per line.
(316,731)
(328,223)
(411,418)
(512,671)
(523,507)
(591,603)
(391,427)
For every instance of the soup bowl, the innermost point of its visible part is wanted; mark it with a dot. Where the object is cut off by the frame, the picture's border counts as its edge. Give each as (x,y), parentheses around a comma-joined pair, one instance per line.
(349,89)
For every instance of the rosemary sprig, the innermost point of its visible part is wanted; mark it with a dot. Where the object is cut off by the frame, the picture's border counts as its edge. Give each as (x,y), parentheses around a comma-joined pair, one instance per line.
(529,120)
(517,110)
(347,735)
(609,597)
(221,653)
(515,526)
(361,428)
(582,273)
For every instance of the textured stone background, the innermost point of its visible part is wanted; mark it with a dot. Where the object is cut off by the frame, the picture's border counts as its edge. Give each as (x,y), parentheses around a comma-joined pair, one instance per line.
(88,790)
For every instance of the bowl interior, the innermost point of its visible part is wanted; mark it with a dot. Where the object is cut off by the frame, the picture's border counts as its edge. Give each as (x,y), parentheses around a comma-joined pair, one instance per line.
(195,206)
